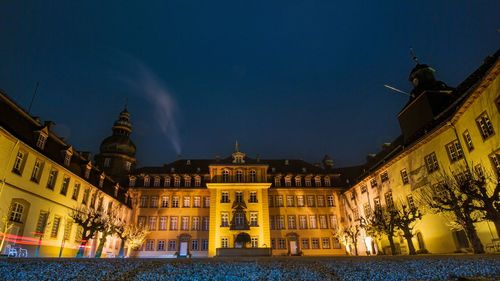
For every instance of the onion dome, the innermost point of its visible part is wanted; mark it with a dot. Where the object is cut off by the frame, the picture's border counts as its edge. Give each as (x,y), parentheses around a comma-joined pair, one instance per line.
(120,141)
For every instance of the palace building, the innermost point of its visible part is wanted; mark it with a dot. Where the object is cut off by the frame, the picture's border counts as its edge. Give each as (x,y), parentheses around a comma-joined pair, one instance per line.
(243,206)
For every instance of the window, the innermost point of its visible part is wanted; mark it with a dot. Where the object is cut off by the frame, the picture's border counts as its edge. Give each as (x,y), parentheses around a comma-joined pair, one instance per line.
(152,223)
(304,243)
(280,223)
(172,245)
(333,222)
(468,140)
(254,242)
(308,181)
(161,245)
(224,197)
(67,229)
(163,223)
(64,186)
(76,191)
(51,182)
(384,176)
(144,201)
(19,162)
(404,176)
(166,181)
(239,176)
(42,139)
(16,212)
(93,199)
(290,202)
(270,200)
(281,243)
(156,182)
(411,203)
(185,223)
(225,176)
(322,222)
(312,222)
(479,171)
(173,223)
(373,182)
(298,181)
(177,181)
(495,163)
(150,244)
(388,199)
(327,181)
(279,201)
(277,181)
(224,218)
(271,223)
(314,243)
(87,171)
(197,181)
(196,202)
(107,162)
(239,219)
(128,166)
(37,171)
(204,245)
(454,151)
(195,223)
(146,181)
(253,176)
(194,245)
(253,197)
(164,201)
(131,181)
(175,202)
(431,163)
(67,158)
(376,202)
(86,194)
(321,200)
(300,201)
(325,242)
(363,188)
(291,222)
(288,181)
(224,242)
(206,202)
(239,197)
(55,227)
(273,243)
(253,219)
(367,209)
(186,202)
(331,201)
(187,181)
(206,224)
(484,125)
(101,180)
(310,201)
(317,181)
(78,235)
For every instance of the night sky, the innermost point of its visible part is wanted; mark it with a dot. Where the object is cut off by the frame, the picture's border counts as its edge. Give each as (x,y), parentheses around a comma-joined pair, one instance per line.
(288,79)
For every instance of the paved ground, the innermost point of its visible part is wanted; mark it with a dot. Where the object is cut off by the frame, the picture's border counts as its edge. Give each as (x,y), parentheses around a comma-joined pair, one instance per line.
(426,267)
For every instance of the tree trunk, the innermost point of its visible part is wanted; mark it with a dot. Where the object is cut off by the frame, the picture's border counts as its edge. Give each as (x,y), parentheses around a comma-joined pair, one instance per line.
(497,226)
(411,248)
(391,242)
(121,253)
(477,246)
(355,243)
(102,241)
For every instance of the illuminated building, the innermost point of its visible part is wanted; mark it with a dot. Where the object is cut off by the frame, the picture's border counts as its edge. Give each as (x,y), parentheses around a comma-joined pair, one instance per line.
(443,130)
(41,179)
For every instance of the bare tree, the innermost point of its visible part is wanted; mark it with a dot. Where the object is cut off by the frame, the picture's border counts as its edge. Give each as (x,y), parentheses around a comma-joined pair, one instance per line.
(134,235)
(91,221)
(405,219)
(7,225)
(350,235)
(383,222)
(451,196)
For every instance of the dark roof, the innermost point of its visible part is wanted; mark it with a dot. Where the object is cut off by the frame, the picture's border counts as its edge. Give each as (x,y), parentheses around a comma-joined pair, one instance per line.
(23,126)
(461,92)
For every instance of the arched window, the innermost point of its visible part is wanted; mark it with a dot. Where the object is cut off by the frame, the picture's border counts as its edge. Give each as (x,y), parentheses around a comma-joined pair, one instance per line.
(239,176)
(253,176)
(225,176)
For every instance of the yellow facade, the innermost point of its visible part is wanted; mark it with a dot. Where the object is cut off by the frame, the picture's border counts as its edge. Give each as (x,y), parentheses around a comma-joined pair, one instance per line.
(434,232)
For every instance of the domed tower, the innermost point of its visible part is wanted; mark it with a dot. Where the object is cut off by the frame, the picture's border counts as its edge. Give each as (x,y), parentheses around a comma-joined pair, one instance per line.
(422,78)
(117,152)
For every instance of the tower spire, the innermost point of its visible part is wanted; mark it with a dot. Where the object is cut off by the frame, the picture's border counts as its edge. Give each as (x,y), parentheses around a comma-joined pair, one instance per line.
(236,146)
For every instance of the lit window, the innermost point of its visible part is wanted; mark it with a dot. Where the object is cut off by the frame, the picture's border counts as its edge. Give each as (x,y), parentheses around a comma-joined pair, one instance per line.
(384,176)
(254,242)
(225,176)
(277,181)
(64,186)
(288,181)
(431,162)
(197,181)
(172,245)
(177,181)
(454,151)
(373,182)
(331,201)
(308,181)
(128,166)
(224,219)
(55,227)
(291,222)
(327,181)
(300,201)
(185,223)
(333,222)
(173,223)
(146,181)
(468,140)
(253,176)
(279,201)
(302,222)
(187,181)
(317,181)
(163,223)
(156,182)
(321,200)
(144,201)
(485,126)
(166,181)
(152,223)
(253,197)
(186,202)
(253,219)
(290,202)
(67,158)
(312,222)
(404,176)
(239,176)
(195,223)
(153,202)
(298,181)
(196,202)
(175,202)
(325,241)
(388,199)
(76,191)
(322,221)
(19,162)
(310,201)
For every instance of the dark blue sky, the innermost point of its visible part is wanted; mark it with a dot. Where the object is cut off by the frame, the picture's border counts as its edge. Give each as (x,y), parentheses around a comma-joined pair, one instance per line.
(288,79)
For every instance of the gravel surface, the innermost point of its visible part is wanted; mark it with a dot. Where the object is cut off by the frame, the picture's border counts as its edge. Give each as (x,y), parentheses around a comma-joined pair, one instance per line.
(429,267)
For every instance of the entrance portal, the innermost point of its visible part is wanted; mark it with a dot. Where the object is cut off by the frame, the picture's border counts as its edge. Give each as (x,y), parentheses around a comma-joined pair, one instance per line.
(183,249)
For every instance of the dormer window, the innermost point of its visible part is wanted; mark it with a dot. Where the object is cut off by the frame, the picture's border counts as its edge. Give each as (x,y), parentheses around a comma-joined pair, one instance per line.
(117,187)
(67,157)
(298,181)
(253,176)
(277,181)
(156,182)
(146,181)
(187,181)
(308,181)
(42,139)
(131,181)
(197,181)
(101,180)
(327,181)
(166,181)
(225,176)
(288,181)
(87,170)
(317,181)
(177,181)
